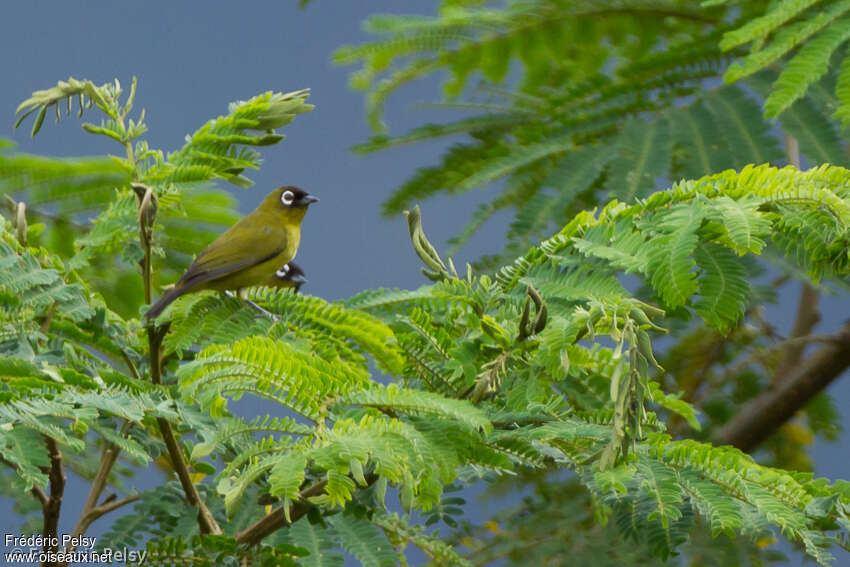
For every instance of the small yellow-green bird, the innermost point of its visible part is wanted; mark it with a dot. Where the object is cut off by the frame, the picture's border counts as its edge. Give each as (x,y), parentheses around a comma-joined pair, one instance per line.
(249,252)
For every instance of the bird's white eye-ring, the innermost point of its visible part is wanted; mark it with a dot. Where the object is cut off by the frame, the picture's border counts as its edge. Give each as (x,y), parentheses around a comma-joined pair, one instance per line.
(282,273)
(287,197)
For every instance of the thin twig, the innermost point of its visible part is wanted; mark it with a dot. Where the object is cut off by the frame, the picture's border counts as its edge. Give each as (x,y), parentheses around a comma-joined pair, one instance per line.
(206,521)
(45,325)
(90,512)
(104,509)
(88,518)
(108,457)
(130,365)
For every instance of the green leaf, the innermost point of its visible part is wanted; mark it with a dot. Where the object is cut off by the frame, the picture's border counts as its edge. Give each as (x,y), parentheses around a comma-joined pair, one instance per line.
(364,541)
(316,539)
(644,151)
(671,266)
(806,67)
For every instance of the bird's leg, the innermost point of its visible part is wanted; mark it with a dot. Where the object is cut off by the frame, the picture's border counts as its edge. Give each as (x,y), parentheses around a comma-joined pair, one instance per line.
(265,312)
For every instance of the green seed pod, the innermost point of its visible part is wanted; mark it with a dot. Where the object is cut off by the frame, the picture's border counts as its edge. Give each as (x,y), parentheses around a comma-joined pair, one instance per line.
(39,120)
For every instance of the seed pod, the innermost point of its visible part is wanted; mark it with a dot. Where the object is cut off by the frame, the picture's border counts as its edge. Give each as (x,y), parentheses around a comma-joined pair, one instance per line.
(21,223)
(39,120)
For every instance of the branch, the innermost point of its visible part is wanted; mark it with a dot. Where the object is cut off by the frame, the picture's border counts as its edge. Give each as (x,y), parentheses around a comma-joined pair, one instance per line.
(762,416)
(113,505)
(787,344)
(130,365)
(147,215)
(51,507)
(276,519)
(107,460)
(102,510)
(206,521)
(660,13)
(88,517)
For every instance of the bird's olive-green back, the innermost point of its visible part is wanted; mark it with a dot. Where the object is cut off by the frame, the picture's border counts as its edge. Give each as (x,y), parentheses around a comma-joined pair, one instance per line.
(270,234)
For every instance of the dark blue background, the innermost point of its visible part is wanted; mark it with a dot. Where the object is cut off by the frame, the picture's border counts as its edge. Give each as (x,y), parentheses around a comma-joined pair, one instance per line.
(192,58)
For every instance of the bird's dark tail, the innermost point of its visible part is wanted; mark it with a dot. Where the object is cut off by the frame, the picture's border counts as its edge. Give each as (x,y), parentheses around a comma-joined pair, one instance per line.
(164,301)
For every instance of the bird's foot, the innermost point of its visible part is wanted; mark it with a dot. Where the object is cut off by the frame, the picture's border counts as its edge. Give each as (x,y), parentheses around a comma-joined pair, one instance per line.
(265,312)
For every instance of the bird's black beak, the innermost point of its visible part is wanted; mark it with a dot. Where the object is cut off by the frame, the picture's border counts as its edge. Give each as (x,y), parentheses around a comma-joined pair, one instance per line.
(306,200)
(298,279)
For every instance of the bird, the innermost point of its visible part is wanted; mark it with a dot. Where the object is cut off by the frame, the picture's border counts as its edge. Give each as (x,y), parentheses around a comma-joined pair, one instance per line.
(248,253)
(290,275)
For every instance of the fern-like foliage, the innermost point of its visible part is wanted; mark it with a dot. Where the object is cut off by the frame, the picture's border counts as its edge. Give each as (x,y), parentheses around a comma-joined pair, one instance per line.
(535,529)
(191,215)
(608,119)
(546,366)
(814,31)
(60,346)
(466,38)
(480,339)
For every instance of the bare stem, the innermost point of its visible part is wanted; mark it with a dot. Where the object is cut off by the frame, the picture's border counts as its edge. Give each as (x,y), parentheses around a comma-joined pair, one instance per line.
(206,521)
(276,519)
(107,460)
(53,504)
(130,365)
(93,514)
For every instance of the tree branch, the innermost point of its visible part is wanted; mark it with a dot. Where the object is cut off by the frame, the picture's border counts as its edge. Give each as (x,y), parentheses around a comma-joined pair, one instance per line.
(762,416)
(764,353)
(88,517)
(98,511)
(206,521)
(276,519)
(107,460)
(50,508)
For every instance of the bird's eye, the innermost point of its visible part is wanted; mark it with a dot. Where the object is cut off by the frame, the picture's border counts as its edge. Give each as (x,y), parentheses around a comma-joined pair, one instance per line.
(281,273)
(287,197)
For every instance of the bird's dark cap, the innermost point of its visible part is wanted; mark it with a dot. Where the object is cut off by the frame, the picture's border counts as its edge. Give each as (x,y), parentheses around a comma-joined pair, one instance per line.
(301,197)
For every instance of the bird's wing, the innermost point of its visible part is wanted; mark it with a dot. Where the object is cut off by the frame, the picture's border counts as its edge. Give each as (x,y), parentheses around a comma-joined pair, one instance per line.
(237,249)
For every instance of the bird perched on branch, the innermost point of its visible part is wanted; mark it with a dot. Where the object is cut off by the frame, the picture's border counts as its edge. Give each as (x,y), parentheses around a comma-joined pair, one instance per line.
(250,252)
